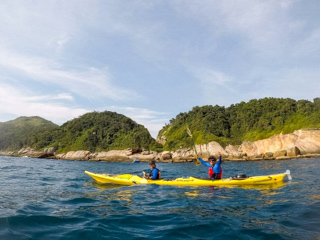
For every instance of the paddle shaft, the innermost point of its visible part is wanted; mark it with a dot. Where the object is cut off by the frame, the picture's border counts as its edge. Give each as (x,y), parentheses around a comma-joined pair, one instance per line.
(194,145)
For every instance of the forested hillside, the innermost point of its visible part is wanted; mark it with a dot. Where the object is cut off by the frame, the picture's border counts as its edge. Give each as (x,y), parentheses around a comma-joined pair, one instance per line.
(14,134)
(254,120)
(96,132)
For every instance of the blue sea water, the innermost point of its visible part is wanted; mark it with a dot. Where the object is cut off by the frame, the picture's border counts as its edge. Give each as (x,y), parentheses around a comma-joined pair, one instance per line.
(54,199)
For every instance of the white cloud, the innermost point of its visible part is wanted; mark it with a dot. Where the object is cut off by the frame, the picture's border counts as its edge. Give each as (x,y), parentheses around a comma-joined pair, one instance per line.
(210,79)
(59,43)
(152,120)
(88,82)
(209,76)
(50,97)
(22,102)
(261,21)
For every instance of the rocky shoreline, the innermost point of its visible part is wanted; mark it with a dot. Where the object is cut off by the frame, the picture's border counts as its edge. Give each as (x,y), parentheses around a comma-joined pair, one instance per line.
(304,143)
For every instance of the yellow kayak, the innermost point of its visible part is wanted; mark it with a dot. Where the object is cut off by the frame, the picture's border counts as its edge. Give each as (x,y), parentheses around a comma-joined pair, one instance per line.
(128,179)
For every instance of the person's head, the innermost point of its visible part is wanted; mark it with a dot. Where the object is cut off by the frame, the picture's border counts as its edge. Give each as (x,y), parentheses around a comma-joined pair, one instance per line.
(212,160)
(152,164)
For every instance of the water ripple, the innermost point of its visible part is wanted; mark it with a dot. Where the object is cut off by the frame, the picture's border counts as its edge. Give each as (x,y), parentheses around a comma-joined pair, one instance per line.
(50,199)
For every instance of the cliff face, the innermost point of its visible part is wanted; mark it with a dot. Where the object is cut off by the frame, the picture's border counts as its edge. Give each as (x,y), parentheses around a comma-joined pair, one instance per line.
(300,142)
(307,141)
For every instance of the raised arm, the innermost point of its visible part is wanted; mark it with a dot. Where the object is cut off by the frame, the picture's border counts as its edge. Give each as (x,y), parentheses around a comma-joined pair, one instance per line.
(204,163)
(219,161)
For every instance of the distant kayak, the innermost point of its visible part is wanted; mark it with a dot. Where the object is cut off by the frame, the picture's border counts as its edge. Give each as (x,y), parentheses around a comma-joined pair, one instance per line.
(136,160)
(128,179)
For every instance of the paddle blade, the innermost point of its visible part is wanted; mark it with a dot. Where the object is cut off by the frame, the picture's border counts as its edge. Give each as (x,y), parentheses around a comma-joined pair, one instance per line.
(144,181)
(198,163)
(288,174)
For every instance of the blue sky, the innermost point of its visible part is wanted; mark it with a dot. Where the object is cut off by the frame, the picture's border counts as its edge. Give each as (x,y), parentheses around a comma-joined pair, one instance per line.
(151,60)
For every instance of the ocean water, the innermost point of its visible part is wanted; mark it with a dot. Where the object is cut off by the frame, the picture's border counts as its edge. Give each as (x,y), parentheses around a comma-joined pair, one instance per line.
(54,199)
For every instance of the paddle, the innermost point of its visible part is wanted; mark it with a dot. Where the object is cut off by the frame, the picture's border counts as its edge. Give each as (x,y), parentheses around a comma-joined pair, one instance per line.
(198,163)
(288,174)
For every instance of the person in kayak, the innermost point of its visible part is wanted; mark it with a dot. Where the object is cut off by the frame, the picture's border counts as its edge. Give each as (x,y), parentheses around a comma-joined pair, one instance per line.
(154,174)
(215,170)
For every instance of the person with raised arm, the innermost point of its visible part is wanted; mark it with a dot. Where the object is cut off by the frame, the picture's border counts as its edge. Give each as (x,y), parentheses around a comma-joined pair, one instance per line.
(215,170)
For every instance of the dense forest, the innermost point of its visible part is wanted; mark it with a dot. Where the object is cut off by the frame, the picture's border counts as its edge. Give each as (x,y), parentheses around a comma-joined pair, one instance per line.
(96,132)
(254,120)
(14,134)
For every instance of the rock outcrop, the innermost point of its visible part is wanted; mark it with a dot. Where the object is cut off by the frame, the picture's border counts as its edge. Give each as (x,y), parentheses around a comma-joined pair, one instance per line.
(9,154)
(293,152)
(80,155)
(211,149)
(113,155)
(299,144)
(161,139)
(183,155)
(282,146)
(307,141)
(29,152)
(124,156)
(166,155)
(281,153)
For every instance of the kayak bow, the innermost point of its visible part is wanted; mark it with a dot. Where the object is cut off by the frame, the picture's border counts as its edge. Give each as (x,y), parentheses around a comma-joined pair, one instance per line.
(128,179)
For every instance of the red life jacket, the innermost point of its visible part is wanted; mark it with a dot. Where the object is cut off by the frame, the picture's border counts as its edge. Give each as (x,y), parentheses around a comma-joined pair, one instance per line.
(211,173)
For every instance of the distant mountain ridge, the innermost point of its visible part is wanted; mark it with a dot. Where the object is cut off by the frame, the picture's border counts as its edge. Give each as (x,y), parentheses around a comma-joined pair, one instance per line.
(104,131)
(95,131)
(14,134)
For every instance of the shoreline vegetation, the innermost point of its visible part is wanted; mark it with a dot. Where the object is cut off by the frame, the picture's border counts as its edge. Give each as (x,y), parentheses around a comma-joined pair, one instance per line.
(304,143)
(268,128)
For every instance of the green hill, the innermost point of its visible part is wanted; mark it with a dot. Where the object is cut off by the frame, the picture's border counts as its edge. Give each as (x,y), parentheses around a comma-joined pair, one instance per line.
(254,120)
(96,132)
(14,133)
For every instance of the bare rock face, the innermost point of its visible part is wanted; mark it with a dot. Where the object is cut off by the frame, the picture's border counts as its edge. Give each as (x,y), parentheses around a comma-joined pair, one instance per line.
(9,154)
(51,150)
(114,155)
(259,156)
(307,141)
(233,150)
(183,154)
(146,157)
(281,153)
(203,150)
(268,155)
(29,152)
(166,155)
(211,149)
(282,158)
(25,150)
(161,139)
(80,155)
(61,156)
(293,152)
